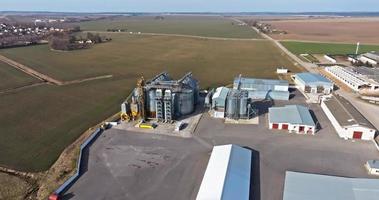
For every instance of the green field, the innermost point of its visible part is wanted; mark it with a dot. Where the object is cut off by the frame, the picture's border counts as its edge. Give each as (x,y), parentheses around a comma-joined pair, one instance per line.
(38,123)
(196,25)
(326,48)
(13,78)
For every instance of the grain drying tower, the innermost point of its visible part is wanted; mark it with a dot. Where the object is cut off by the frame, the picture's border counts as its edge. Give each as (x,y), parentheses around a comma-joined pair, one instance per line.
(165,99)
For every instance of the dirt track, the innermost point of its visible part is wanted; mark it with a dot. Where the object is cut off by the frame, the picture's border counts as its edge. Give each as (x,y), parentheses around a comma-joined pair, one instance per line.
(42,77)
(30,71)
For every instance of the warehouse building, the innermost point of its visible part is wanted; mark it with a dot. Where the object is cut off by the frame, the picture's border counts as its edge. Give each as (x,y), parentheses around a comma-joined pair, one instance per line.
(313,83)
(371,58)
(346,119)
(303,186)
(370,73)
(294,118)
(227,176)
(352,79)
(263,88)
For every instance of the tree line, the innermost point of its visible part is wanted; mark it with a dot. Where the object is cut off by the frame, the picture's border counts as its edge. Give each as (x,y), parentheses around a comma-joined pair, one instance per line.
(66,42)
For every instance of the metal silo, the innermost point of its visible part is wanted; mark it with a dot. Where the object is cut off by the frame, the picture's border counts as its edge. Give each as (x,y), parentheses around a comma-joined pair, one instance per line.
(151,103)
(186,102)
(243,101)
(232,105)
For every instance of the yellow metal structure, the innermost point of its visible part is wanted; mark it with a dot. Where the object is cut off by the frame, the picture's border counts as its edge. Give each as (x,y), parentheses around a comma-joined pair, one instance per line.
(141,97)
(147,126)
(125,117)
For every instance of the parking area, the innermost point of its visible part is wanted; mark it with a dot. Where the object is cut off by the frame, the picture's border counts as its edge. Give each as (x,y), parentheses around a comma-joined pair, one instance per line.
(127,165)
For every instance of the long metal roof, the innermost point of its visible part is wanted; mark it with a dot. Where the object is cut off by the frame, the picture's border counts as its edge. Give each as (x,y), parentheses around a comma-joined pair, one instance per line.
(303,186)
(293,114)
(345,113)
(311,78)
(257,84)
(227,176)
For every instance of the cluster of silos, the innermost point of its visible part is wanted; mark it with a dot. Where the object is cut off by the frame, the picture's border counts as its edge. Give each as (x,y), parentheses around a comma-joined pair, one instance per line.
(238,105)
(167,99)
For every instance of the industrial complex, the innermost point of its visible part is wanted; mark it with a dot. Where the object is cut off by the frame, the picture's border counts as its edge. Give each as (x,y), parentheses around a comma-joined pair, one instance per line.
(239,140)
(220,170)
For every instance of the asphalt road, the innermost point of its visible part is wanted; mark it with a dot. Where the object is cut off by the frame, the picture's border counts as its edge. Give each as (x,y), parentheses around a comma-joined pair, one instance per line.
(125,165)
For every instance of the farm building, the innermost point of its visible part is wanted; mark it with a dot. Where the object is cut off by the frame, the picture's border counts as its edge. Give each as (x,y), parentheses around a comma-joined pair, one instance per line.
(371,73)
(372,58)
(313,83)
(294,118)
(346,119)
(372,167)
(301,186)
(281,70)
(352,79)
(267,88)
(227,176)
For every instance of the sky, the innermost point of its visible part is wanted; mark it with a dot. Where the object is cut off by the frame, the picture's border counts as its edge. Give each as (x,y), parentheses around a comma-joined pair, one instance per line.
(190,5)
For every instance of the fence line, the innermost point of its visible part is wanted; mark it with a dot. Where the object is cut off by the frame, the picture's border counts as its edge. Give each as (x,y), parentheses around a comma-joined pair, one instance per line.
(74,177)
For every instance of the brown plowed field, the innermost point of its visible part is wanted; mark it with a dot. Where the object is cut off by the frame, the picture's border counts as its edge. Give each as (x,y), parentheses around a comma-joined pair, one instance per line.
(346,30)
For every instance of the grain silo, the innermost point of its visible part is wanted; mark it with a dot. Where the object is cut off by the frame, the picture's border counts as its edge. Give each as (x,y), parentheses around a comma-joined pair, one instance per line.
(167,99)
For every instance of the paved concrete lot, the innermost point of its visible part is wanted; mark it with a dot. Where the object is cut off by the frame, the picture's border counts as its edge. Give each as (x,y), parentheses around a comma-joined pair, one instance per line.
(125,165)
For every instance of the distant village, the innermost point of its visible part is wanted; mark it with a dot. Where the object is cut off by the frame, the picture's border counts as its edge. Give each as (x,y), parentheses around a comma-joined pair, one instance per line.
(60,36)
(22,35)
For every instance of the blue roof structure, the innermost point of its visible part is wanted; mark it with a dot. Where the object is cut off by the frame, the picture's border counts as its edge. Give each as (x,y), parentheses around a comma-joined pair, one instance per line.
(257,84)
(275,95)
(313,79)
(301,186)
(292,114)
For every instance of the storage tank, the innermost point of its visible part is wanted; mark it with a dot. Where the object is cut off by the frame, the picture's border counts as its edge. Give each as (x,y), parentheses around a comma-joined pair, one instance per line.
(232,105)
(185,102)
(243,105)
(151,103)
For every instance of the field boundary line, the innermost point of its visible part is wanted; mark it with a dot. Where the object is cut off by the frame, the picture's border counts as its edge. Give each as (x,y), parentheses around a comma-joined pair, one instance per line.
(21,88)
(87,79)
(186,36)
(323,42)
(29,71)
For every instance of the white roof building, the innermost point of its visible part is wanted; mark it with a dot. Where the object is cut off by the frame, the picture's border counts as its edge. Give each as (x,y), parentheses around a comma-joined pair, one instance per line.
(227,176)
(352,79)
(348,122)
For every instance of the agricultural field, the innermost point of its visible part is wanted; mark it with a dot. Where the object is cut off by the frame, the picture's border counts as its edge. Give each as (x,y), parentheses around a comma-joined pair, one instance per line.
(38,123)
(13,78)
(325,48)
(206,26)
(345,30)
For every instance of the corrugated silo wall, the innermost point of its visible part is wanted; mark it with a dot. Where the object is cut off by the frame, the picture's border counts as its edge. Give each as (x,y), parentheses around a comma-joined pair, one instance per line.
(151,103)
